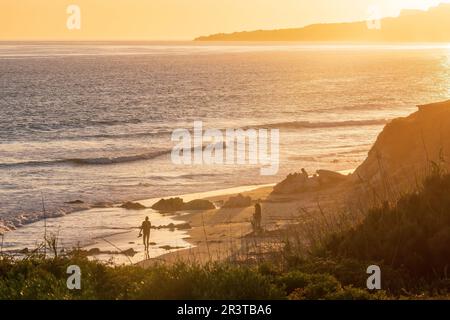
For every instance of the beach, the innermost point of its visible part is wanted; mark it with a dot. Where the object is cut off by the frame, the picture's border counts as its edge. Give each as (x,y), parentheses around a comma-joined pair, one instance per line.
(216,234)
(73,153)
(225,232)
(109,231)
(212,234)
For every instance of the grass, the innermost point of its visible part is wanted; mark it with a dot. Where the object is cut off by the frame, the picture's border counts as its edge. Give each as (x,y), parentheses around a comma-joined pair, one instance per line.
(412,236)
(39,278)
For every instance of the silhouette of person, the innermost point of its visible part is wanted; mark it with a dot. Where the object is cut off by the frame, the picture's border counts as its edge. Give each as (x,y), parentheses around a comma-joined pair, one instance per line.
(257,216)
(305,174)
(145,229)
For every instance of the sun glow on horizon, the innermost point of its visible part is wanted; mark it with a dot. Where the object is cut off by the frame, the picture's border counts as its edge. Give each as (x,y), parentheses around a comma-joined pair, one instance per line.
(179,19)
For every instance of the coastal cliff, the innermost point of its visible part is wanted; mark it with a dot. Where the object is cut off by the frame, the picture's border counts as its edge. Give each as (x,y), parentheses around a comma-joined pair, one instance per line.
(408,149)
(410,26)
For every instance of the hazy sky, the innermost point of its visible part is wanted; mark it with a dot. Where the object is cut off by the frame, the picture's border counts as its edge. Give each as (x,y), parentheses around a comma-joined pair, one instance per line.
(177,19)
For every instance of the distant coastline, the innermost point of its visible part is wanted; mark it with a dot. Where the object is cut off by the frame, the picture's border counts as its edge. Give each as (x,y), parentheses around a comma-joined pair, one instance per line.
(410,26)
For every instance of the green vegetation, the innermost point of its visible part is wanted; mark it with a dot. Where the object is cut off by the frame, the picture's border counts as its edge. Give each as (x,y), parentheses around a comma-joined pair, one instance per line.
(413,236)
(39,278)
(409,241)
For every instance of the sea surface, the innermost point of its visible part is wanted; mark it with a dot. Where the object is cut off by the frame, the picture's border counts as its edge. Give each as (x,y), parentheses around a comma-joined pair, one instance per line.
(93,121)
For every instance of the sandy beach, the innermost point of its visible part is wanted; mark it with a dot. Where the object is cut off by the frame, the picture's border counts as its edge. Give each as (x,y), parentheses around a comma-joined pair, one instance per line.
(110,231)
(223,232)
(217,233)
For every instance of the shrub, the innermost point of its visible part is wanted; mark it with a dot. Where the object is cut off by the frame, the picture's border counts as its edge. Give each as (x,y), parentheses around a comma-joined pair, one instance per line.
(413,235)
(40,278)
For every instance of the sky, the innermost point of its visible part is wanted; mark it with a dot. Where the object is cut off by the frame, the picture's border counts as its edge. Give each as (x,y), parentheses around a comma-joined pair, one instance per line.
(178,19)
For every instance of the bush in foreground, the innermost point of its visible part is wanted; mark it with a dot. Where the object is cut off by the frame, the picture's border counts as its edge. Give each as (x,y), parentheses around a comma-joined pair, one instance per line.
(413,235)
(38,278)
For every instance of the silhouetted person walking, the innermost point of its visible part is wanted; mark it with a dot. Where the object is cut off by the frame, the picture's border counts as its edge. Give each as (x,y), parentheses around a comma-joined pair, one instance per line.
(145,229)
(257,216)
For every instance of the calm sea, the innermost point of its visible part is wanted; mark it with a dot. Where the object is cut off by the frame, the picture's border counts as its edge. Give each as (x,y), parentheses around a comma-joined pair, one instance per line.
(93,122)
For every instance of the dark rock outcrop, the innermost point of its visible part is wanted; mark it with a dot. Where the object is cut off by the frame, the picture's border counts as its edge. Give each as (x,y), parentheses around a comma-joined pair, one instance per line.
(75,202)
(167,247)
(327,177)
(183,226)
(103,205)
(94,252)
(238,201)
(169,205)
(133,206)
(301,182)
(129,252)
(172,226)
(177,204)
(199,204)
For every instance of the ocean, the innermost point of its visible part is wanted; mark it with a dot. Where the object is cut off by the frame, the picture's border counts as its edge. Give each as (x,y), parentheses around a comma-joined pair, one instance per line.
(93,121)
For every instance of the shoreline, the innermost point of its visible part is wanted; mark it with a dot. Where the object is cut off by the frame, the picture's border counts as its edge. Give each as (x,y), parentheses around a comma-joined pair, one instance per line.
(219,233)
(71,207)
(214,234)
(207,225)
(126,238)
